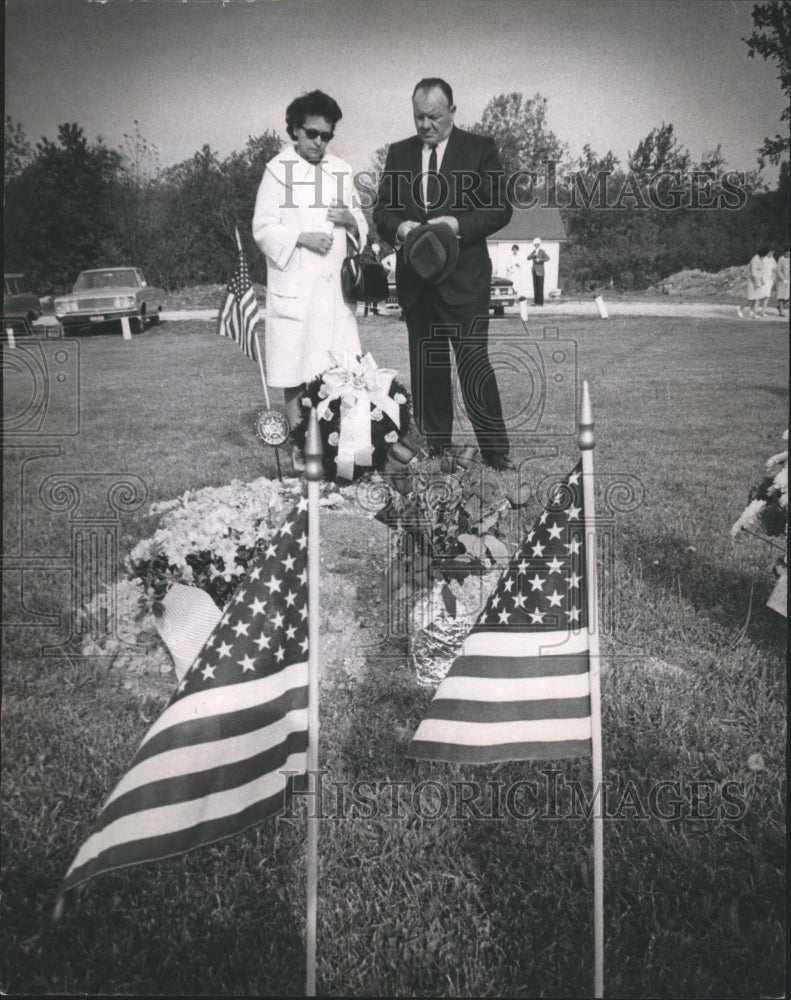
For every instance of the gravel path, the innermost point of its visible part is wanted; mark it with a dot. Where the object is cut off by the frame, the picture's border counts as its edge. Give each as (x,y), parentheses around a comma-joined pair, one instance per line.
(698,310)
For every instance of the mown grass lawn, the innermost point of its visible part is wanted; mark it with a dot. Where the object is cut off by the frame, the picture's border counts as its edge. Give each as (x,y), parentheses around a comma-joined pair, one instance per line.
(490,898)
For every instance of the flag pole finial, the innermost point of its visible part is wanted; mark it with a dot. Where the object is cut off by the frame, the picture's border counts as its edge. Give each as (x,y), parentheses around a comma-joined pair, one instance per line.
(585,432)
(314,471)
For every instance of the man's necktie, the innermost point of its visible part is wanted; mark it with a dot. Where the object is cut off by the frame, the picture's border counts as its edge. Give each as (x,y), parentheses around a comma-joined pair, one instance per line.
(432,182)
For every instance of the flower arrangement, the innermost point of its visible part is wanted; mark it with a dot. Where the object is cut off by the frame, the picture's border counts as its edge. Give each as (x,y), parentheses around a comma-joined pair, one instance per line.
(767,511)
(363,411)
(451,523)
(209,537)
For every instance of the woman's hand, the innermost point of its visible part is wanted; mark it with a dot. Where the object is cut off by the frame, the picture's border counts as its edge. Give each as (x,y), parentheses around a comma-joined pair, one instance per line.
(340,215)
(316,242)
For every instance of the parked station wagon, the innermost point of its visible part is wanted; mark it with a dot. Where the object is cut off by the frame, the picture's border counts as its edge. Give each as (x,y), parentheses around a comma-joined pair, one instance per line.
(20,305)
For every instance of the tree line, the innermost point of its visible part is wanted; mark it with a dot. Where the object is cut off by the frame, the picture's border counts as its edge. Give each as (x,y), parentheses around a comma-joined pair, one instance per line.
(72,204)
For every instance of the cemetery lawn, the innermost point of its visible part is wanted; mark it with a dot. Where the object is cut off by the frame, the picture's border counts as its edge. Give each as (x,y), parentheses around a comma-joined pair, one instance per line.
(423,892)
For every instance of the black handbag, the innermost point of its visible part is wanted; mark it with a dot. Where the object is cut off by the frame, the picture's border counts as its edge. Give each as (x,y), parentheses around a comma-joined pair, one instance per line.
(363,278)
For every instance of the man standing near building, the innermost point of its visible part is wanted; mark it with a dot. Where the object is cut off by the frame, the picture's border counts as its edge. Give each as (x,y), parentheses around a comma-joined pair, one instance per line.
(539,256)
(446,178)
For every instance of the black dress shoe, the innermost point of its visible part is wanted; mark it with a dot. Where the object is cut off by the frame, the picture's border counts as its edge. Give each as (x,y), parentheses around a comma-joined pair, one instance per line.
(499,462)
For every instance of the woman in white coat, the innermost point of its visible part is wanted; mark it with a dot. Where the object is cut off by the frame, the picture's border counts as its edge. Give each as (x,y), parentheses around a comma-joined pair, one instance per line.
(304,209)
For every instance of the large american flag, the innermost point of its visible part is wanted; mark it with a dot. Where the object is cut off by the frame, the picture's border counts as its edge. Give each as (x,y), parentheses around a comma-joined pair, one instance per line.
(240,311)
(213,763)
(520,689)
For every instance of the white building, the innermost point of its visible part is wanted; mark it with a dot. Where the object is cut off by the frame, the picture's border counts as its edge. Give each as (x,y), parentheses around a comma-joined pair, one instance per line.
(525,225)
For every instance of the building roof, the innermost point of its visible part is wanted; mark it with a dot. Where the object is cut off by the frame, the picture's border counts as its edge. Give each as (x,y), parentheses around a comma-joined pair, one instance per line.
(527,223)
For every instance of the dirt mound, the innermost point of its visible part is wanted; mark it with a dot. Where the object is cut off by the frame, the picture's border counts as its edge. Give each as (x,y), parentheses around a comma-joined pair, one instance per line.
(204,297)
(702,285)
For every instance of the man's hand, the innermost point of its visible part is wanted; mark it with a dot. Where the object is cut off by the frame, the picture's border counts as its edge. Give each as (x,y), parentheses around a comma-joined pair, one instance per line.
(449,220)
(404,228)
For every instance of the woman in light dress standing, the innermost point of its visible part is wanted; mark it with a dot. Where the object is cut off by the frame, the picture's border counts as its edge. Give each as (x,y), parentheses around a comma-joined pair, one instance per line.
(304,209)
(782,282)
(755,280)
(767,279)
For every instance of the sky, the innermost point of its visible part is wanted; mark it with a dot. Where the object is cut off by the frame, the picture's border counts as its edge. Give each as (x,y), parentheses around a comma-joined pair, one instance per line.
(195,72)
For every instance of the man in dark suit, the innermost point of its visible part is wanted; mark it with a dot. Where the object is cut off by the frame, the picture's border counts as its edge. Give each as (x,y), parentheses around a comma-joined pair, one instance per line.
(446,175)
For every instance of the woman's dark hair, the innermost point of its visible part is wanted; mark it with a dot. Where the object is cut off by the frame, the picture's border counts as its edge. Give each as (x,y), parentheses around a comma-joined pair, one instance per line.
(315,103)
(515,246)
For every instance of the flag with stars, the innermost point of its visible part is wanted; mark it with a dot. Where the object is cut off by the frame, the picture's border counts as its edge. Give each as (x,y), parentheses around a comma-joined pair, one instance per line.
(217,759)
(520,688)
(240,312)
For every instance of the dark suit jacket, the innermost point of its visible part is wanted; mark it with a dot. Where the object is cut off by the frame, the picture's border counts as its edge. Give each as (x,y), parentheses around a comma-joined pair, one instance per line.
(473,191)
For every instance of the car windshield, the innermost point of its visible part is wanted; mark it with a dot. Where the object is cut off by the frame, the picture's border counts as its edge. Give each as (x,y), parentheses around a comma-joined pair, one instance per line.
(119,277)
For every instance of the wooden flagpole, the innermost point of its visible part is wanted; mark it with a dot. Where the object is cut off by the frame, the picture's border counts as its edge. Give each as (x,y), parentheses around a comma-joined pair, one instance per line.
(585,441)
(314,473)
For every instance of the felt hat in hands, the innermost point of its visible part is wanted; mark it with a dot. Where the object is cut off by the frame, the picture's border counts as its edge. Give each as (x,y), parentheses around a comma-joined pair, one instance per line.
(431,251)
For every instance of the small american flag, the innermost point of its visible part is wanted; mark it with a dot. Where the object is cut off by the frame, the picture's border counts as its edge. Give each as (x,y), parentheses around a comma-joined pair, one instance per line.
(213,764)
(520,689)
(240,312)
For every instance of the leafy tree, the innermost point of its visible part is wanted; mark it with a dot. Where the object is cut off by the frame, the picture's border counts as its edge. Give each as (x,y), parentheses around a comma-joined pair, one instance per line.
(519,129)
(17,153)
(771,39)
(136,209)
(59,208)
(658,152)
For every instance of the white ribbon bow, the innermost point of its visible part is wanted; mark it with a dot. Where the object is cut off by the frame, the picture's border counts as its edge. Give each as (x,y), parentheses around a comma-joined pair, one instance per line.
(359,385)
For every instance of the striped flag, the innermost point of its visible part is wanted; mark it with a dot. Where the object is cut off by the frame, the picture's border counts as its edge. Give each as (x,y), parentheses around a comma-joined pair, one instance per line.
(213,763)
(240,312)
(520,688)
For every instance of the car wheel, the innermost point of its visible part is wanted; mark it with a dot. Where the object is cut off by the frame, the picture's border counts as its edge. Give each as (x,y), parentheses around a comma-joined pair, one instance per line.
(154,319)
(499,310)
(141,321)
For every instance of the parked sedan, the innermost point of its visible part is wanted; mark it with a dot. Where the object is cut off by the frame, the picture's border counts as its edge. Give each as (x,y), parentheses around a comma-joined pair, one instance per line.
(108,294)
(501,294)
(20,305)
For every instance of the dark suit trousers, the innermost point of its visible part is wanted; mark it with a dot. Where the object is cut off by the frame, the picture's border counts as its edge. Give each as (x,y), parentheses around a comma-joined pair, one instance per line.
(538,289)
(434,327)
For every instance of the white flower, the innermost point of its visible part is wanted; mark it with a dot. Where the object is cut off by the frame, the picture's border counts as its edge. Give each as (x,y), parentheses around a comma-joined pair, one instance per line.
(392,437)
(376,413)
(749,514)
(399,398)
(333,439)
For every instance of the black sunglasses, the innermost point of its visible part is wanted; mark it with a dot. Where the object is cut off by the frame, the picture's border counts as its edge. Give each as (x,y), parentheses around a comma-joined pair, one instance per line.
(313,133)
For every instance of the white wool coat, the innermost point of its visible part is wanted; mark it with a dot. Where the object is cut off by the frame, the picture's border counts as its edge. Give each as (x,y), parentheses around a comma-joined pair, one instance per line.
(306,314)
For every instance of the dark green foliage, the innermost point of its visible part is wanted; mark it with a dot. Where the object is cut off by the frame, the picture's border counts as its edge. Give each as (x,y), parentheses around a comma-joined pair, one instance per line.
(771,39)
(72,205)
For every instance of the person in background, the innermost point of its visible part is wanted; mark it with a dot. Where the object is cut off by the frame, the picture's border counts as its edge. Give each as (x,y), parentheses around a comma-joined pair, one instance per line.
(767,279)
(427,181)
(302,215)
(539,256)
(755,270)
(374,308)
(782,282)
(516,271)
